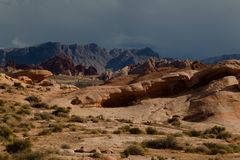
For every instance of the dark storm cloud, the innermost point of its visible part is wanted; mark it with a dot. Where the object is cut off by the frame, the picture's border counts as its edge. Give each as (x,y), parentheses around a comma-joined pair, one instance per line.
(180,28)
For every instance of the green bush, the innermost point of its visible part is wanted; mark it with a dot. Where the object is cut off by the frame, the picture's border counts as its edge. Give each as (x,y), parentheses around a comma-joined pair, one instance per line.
(5,132)
(56,127)
(124,129)
(134,150)
(18,146)
(33,99)
(61,112)
(78,119)
(214,132)
(127,128)
(26,126)
(135,131)
(198,149)
(214,148)
(217,132)
(194,133)
(43,116)
(151,130)
(24,110)
(40,105)
(65,146)
(117,131)
(169,142)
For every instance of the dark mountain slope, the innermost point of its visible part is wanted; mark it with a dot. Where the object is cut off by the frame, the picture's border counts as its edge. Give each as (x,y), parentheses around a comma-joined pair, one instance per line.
(86,55)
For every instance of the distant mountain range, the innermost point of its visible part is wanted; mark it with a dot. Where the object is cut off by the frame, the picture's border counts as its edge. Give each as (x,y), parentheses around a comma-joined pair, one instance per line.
(213,60)
(86,55)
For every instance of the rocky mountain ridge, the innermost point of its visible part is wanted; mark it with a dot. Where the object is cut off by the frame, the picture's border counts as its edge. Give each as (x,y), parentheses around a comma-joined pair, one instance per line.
(216,59)
(86,55)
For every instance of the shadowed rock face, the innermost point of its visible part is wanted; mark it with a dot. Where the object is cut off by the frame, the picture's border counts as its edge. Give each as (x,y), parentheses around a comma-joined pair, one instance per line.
(59,64)
(132,94)
(129,97)
(206,99)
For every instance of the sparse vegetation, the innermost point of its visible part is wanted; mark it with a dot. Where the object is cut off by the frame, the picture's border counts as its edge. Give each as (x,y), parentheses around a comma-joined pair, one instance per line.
(214,148)
(43,116)
(174,121)
(24,110)
(135,130)
(56,127)
(134,150)
(198,149)
(95,131)
(151,130)
(61,112)
(65,146)
(33,99)
(96,119)
(217,132)
(169,142)
(128,129)
(40,105)
(18,146)
(78,119)
(194,133)
(214,132)
(221,148)
(5,133)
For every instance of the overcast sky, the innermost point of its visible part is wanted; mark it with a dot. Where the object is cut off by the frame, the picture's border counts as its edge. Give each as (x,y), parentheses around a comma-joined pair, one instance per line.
(178,28)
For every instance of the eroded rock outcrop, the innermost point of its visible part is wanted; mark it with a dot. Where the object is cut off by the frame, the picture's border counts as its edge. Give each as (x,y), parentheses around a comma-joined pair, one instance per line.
(25,79)
(223,69)
(209,93)
(35,75)
(205,103)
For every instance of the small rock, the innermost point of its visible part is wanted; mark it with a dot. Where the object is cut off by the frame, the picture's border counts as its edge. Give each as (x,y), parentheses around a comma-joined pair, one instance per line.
(25,79)
(66,151)
(96,151)
(46,83)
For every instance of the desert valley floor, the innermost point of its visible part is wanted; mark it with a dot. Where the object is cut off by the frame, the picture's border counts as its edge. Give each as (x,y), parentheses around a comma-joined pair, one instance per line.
(188,114)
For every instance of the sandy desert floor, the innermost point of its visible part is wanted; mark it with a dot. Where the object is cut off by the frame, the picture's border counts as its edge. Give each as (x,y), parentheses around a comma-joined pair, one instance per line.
(58,130)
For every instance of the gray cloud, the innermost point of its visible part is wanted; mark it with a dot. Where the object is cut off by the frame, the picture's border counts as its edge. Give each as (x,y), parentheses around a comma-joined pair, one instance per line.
(5,2)
(179,28)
